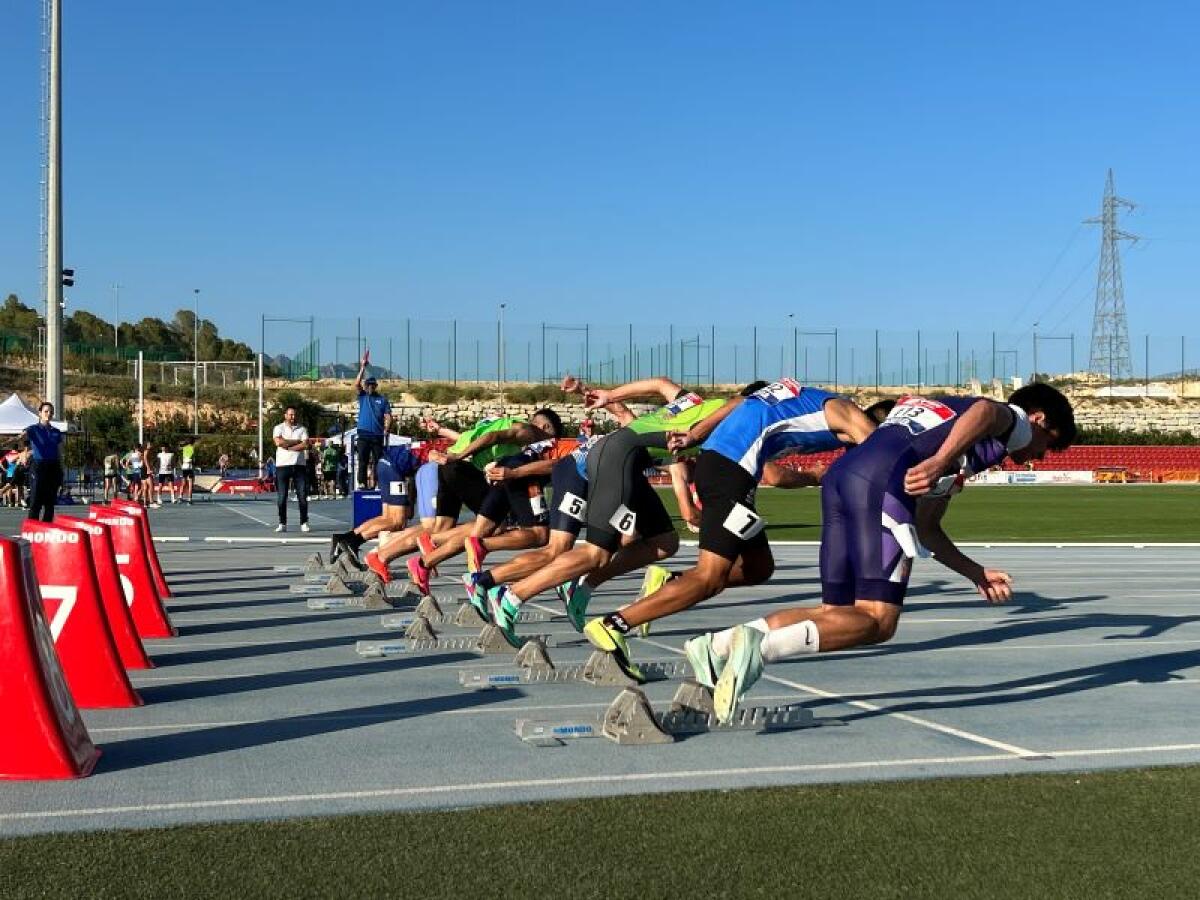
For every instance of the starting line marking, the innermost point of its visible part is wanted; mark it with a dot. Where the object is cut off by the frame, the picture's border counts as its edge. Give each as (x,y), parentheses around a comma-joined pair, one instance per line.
(628,778)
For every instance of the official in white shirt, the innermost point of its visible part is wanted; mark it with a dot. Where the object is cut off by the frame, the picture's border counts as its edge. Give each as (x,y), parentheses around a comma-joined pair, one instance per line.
(291,444)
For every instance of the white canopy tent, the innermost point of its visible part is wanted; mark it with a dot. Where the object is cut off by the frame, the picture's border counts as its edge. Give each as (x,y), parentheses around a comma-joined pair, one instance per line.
(16,416)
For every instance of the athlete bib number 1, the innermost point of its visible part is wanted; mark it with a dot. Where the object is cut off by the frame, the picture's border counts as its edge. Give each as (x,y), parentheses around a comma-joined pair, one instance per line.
(744,522)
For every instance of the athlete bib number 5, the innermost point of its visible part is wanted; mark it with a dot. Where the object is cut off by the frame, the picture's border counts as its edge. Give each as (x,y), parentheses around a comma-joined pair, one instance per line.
(918,415)
(744,522)
(574,506)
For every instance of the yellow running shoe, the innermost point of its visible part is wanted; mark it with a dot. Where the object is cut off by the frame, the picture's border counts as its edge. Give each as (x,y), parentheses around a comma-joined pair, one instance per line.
(612,641)
(655,578)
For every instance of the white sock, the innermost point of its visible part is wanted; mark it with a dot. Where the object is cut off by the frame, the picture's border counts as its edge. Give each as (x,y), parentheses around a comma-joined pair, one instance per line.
(512,597)
(791,640)
(720,641)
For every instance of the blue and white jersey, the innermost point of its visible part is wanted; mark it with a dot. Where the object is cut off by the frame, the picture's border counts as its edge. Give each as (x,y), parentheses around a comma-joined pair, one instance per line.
(580,454)
(781,418)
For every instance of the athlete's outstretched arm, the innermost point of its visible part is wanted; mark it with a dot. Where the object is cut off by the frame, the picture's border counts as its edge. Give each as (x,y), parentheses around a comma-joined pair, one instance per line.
(678,441)
(849,423)
(618,410)
(683,494)
(521,433)
(984,418)
(993,584)
(647,387)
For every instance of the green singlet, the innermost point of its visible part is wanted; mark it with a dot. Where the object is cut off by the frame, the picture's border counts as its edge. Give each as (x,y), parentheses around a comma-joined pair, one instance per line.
(494,452)
(678,415)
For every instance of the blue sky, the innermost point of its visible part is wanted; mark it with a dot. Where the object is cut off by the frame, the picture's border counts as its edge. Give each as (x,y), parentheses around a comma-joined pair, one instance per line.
(861,165)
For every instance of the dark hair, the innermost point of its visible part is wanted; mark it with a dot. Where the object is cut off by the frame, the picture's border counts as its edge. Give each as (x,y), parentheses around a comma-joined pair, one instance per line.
(555,420)
(1050,402)
(45,403)
(291,407)
(877,412)
(752,387)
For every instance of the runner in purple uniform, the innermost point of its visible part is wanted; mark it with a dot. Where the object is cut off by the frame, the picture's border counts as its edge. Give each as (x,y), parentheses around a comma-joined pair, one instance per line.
(870,521)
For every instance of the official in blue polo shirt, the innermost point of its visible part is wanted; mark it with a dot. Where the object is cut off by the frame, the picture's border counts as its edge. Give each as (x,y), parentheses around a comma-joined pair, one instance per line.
(372,408)
(45,442)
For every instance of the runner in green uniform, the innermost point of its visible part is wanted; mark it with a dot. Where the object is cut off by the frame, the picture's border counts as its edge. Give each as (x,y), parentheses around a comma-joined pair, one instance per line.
(187,470)
(461,478)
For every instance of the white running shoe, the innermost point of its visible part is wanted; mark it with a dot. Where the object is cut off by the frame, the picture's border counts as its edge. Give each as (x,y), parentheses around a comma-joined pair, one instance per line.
(280,528)
(304,527)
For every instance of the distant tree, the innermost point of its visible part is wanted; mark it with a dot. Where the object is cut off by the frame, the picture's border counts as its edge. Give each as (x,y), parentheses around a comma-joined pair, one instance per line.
(16,316)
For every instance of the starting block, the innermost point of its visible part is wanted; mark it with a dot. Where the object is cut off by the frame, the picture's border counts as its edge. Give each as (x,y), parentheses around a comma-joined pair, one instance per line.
(288,570)
(488,641)
(466,617)
(314,564)
(334,587)
(631,720)
(334,603)
(377,595)
(600,669)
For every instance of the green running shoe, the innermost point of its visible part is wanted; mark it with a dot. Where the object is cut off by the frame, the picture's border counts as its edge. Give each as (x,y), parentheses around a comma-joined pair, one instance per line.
(612,641)
(655,578)
(705,663)
(742,669)
(575,600)
(479,600)
(504,614)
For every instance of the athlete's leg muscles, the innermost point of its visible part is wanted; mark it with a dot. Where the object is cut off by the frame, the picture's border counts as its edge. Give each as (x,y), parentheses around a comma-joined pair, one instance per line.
(842,627)
(406,541)
(698,583)
(518,538)
(580,560)
(527,563)
(754,566)
(451,543)
(635,555)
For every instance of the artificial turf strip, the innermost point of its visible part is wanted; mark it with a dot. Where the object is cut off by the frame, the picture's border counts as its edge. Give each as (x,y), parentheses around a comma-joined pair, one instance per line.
(1097,835)
(1020,513)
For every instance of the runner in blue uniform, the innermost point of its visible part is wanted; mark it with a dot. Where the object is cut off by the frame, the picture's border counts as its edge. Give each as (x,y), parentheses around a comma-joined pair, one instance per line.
(777,419)
(869,536)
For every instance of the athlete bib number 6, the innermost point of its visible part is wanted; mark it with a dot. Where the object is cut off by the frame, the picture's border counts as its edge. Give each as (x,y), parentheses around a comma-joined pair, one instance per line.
(624,520)
(744,522)
(573,505)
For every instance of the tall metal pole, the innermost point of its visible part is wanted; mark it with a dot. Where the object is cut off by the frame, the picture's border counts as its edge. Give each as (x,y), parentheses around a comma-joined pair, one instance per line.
(712,355)
(116,289)
(957,362)
(54,230)
(142,397)
(260,415)
(918,360)
(1035,368)
(1147,365)
(196,361)
(836,381)
(543,353)
(877,360)
(500,352)
(454,351)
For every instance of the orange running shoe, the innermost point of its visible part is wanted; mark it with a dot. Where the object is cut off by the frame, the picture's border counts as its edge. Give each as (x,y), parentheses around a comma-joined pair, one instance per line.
(426,546)
(378,566)
(419,574)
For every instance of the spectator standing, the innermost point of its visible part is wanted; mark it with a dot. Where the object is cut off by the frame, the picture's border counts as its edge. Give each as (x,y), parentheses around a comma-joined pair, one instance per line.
(223,464)
(112,469)
(187,470)
(44,442)
(329,470)
(291,443)
(373,408)
(166,475)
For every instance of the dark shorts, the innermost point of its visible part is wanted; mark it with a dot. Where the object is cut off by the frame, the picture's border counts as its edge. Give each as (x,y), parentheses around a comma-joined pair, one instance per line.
(621,500)
(187,474)
(519,502)
(729,522)
(165,479)
(135,477)
(861,558)
(394,488)
(459,484)
(570,491)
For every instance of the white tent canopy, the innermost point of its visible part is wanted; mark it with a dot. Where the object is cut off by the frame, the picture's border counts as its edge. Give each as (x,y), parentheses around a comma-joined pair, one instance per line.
(15,416)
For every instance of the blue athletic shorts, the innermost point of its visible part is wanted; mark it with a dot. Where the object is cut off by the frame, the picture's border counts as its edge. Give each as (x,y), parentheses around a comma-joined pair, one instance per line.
(427,489)
(861,558)
(393,487)
(570,490)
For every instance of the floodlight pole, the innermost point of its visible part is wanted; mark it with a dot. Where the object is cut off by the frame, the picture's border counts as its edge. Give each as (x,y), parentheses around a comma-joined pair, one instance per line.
(141,398)
(54,230)
(196,361)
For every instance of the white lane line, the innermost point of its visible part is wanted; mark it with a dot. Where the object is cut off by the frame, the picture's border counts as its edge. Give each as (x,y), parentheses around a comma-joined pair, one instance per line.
(171,540)
(242,512)
(627,778)
(266,540)
(871,707)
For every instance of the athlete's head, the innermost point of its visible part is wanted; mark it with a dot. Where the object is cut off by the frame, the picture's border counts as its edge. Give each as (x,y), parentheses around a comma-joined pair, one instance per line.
(549,421)
(877,412)
(753,387)
(371,384)
(1051,417)
(45,412)
(289,415)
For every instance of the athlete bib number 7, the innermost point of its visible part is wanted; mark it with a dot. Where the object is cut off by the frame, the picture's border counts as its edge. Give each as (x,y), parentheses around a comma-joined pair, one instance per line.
(744,522)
